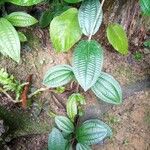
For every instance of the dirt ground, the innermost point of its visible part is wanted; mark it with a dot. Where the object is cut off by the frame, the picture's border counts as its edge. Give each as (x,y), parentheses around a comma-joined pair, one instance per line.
(130,121)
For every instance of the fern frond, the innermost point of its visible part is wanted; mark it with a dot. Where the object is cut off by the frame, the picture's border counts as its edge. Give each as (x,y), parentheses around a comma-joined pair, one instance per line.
(9,83)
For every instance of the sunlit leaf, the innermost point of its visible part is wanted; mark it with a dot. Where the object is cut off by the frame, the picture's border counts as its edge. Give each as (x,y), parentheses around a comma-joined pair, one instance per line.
(118,38)
(22,37)
(72,1)
(21,19)
(65,30)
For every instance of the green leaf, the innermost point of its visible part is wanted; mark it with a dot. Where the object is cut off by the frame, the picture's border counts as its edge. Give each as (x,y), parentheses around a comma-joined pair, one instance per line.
(22,37)
(80,146)
(46,18)
(117,38)
(91,133)
(56,140)
(9,40)
(147,43)
(72,1)
(58,76)
(24,2)
(109,130)
(64,124)
(72,105)
(108,89)
(87,63)
(90,16)
(145,6)
(65,30)
(21,19)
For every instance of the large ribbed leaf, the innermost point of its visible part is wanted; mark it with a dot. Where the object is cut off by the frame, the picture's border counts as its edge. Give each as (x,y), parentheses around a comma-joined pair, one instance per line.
(72,1)
(87,63)
(21,19)
(109,131)
(145,6)
(91,132)
(9,40)
(108,89)
(73,101)
(90,16)
(64,124)
(56,140)
(80,146)
(65,30)
(24,2)
(58,76)
(117,38)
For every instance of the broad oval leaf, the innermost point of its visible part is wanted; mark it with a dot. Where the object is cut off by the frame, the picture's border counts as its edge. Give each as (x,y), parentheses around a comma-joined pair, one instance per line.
(21,19)
(90,17)
(87,63)
(80,146)
(58,76)
(108,89)
(73,101)
(91,133)
(24,2)
(109,130)
(56,140)
(65,30)
(64,124)
(117,38)
(145,6)
(9,40)
(72,1)
(22,37)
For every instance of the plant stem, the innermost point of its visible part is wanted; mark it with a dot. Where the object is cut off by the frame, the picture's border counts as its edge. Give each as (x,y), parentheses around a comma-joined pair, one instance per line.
(10,98)
(38,91)
(102,3)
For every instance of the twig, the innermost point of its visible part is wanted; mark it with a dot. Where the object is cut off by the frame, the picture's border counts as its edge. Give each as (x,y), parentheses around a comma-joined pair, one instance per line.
(37,91)
(10,98)
(102,3)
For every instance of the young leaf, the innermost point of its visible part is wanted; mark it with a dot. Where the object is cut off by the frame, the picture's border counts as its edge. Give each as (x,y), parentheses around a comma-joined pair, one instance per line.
(80,146)
(65,30)
(22,37)
(72,1)
(90,16)
(64,124)
(108,89)
(145,6)
(24,2)
(21,19)
(9,40)
(109,130)
(117,38)
(87,63)
(56,140)
(91,133)
(72,104)
(58,76)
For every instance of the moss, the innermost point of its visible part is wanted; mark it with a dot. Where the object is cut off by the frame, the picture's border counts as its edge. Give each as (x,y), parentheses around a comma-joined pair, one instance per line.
(20,123)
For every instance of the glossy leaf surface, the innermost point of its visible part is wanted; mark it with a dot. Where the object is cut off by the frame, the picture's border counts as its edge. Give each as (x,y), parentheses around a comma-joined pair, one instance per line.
(108,89)
(80,146)
(90,16)
(21,19)
(65,30)
(58,76)
(9,40)
(145,6)
(87,63)
(64,124)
